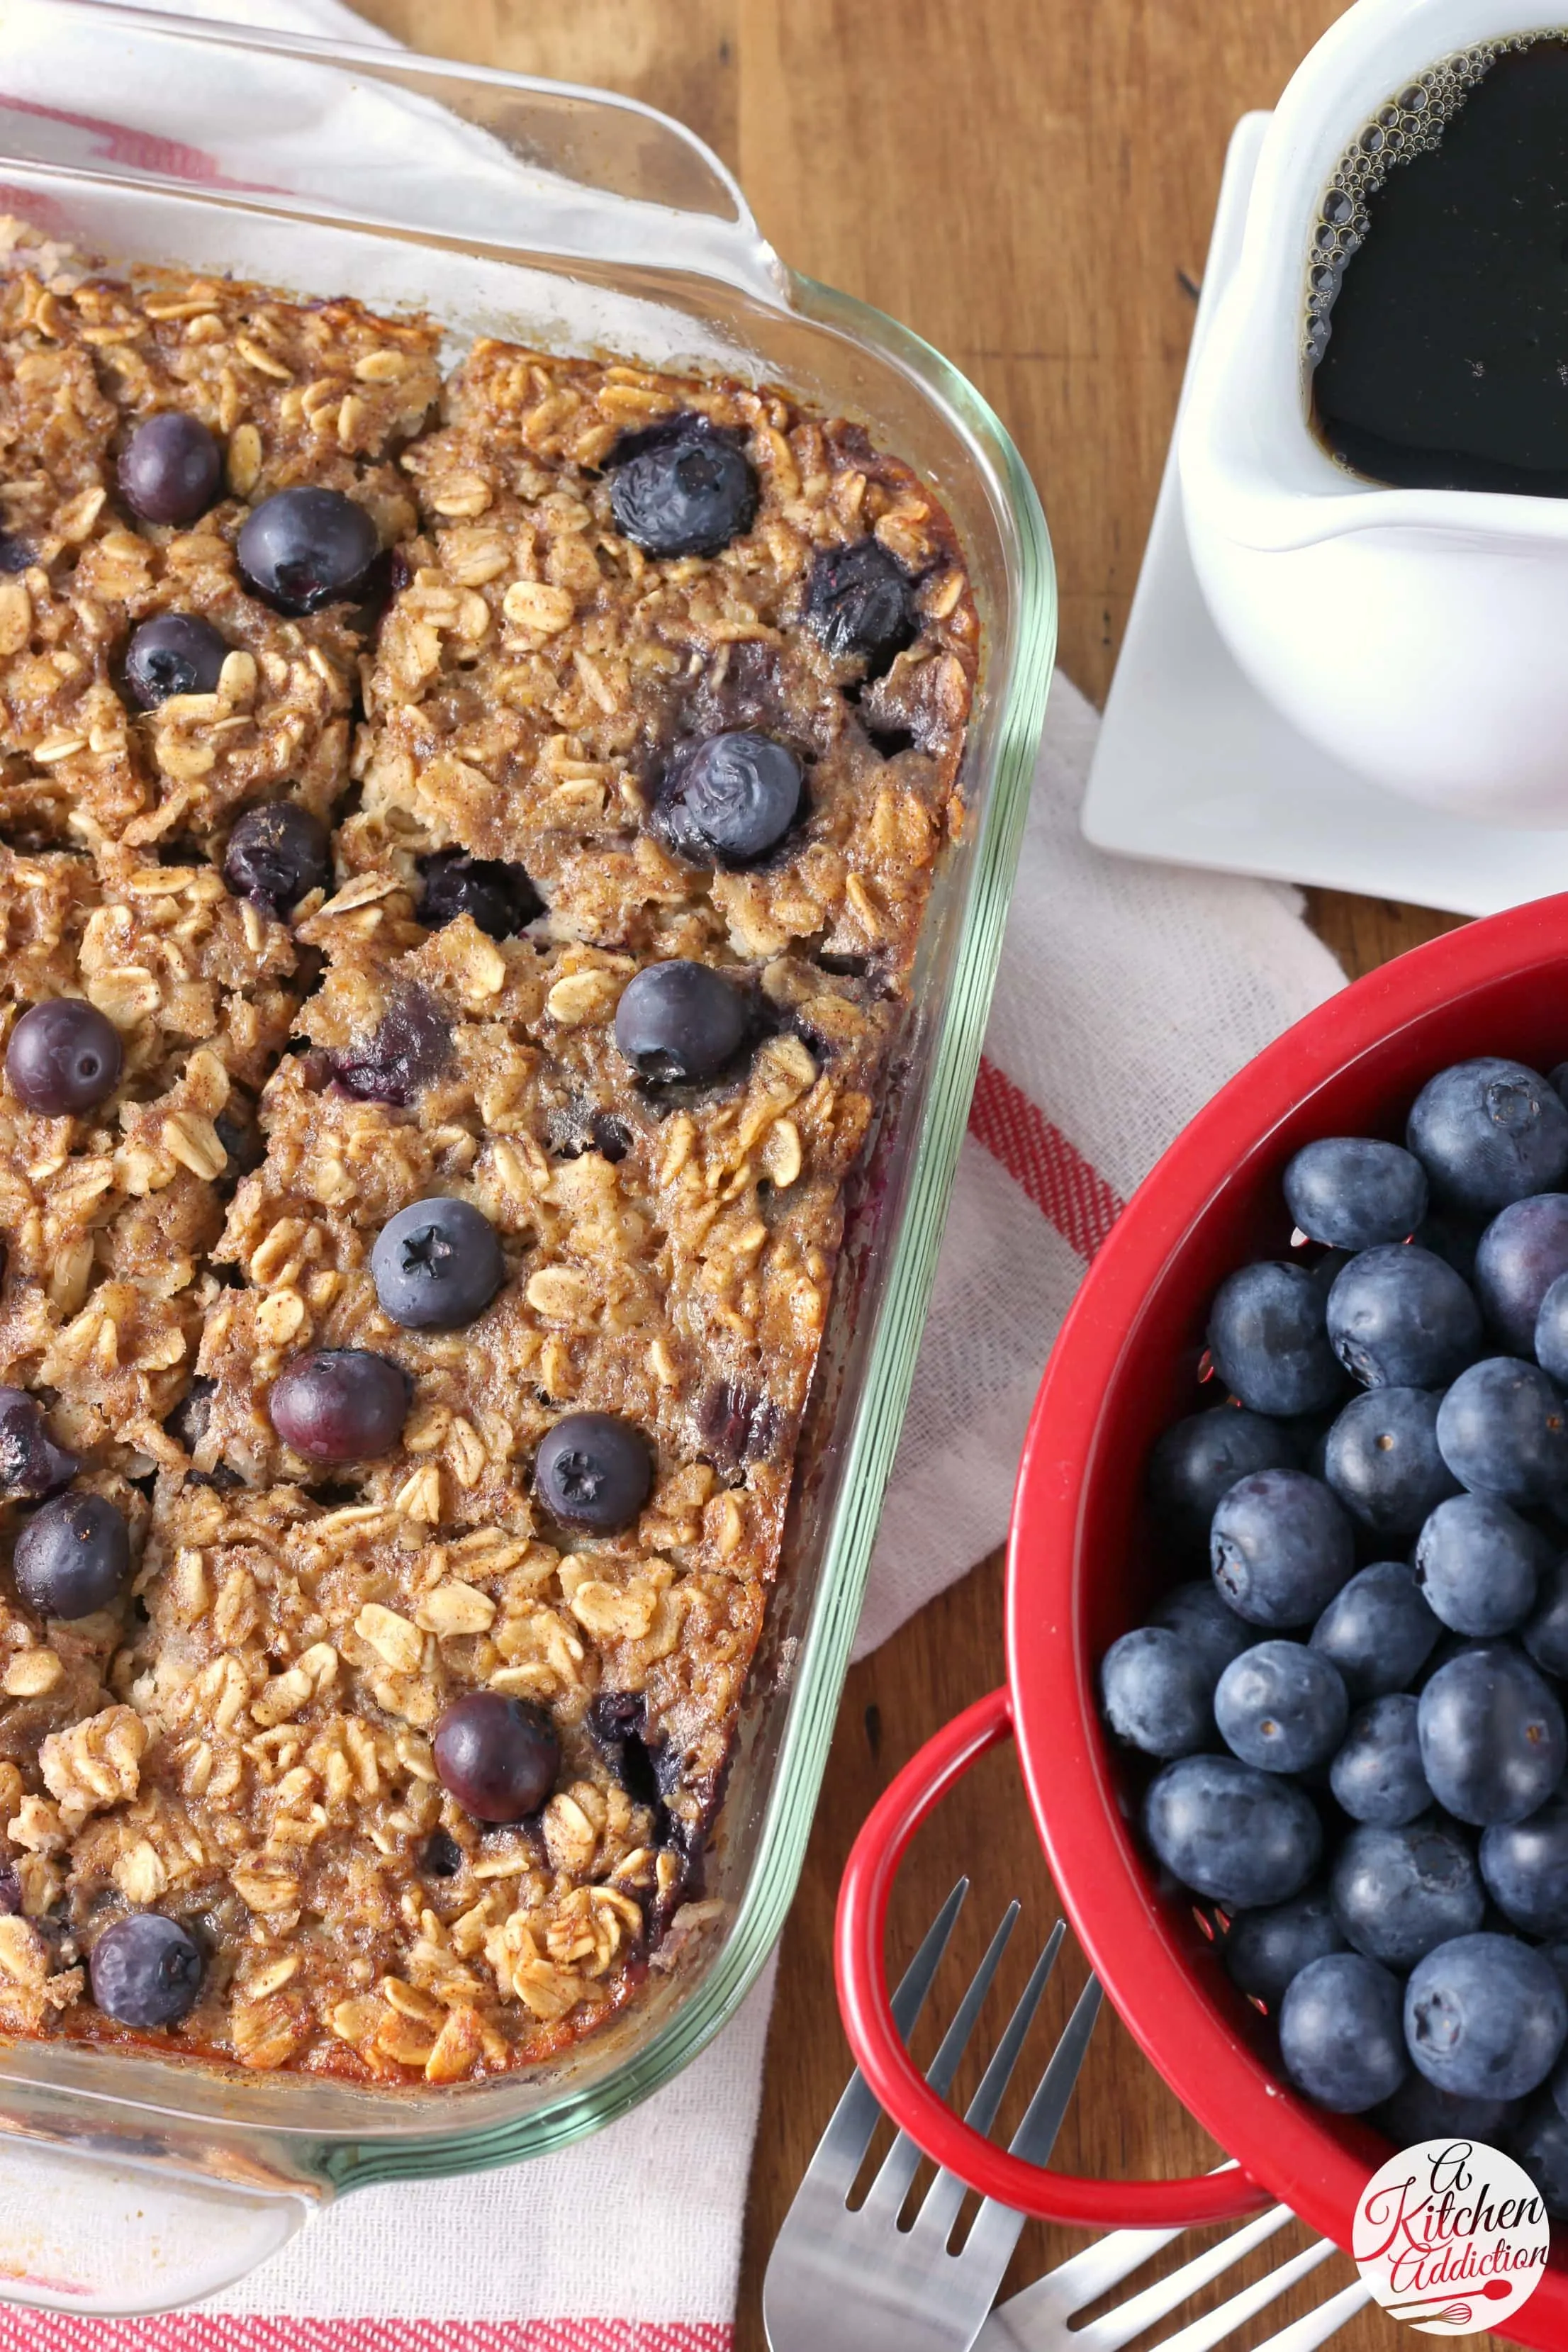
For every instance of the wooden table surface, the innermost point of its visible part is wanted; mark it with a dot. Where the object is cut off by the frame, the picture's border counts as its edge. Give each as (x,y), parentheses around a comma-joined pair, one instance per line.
(1030,185)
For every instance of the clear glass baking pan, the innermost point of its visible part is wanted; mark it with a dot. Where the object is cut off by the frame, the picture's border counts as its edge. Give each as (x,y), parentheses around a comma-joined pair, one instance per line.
(578,221)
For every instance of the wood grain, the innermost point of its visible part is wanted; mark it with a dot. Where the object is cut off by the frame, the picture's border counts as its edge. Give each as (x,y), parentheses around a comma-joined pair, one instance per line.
(1029,184)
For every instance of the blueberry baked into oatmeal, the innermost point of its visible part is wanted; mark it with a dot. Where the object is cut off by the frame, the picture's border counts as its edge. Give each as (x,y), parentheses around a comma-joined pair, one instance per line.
(464,836)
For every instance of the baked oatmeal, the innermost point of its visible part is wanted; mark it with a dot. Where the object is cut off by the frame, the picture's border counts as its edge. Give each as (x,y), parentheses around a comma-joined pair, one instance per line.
(463,842)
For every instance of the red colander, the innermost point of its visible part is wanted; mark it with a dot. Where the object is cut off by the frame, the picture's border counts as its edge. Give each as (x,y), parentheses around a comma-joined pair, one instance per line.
(1084,1565)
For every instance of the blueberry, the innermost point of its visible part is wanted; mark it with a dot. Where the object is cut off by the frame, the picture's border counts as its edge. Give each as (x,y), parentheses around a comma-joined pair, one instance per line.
(1478,1565)
(1540,2143)
(10,1892)
(1339,2033)
(1399,1890)
(1268,1342)
(1419,2110)
(859,603)
(437,1264)
(63,1056)
(302,549)
(171,468)
(30,1461)
(1353,1192)
(1546,1634)
(1401,1318)
(72,1557)
(736,1426)
(441,1856)
(687,496)
(1492,1740)
(277,855)
(145,1970)
(500,897)
(499,1757)
(1243,1838)
(1281,1547)
(1452,1236)
(16,553)
(177,653)
(1485,2016)
(1381,1459)
(411,1045)
(594,1473)
(681,1020)
(1193,1464)
(1281,1706)
(1377,1777)
(1377,1630)
(1207,1623)
(1525,1867)
(1518,1258)
(1550,1337)
(731,797)
(1156,1693)
(1502,1430)
(340,1404)
(1488,1132)
(1266,1949)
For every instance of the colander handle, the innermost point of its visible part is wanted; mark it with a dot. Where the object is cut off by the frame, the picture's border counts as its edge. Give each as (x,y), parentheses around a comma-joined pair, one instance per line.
(879,2052)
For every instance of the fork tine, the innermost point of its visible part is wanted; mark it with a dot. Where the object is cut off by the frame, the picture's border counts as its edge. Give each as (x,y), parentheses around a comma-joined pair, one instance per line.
(892,2185)
(1200,2334)
(841,2150)
(947,2192)
(1140,2311)
(996,2227)
(1026,2318)
(1305,2334)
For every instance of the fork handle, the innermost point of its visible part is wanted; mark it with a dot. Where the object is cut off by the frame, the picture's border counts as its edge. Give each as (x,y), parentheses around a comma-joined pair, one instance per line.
(879,2052)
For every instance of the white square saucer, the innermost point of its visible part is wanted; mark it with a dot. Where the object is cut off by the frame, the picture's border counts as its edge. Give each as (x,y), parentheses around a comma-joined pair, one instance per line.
(1194,767)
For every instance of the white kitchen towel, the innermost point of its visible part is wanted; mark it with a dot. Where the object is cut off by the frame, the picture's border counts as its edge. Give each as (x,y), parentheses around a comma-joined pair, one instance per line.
(1127,994)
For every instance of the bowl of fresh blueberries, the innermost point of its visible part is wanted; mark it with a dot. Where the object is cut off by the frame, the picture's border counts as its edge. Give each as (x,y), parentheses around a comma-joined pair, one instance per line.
(1287,1604)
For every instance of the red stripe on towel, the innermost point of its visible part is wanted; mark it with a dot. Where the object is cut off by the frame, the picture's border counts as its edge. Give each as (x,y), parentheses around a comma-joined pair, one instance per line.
(1041,1162)
(192,2331)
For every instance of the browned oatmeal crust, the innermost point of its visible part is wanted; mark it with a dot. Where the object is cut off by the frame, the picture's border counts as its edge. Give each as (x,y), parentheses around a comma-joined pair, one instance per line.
(243,1742)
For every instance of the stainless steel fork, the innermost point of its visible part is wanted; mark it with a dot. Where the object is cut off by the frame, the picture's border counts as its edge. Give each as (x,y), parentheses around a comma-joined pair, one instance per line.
(857,2280)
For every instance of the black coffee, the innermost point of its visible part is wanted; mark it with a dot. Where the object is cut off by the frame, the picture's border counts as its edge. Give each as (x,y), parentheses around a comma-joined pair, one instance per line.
(1438,314)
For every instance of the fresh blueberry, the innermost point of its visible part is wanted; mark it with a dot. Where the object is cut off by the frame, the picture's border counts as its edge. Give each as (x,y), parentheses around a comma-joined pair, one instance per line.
(594,1473)
(1268,1342)
(177,653)
(1478,1565)
(340,1404)
(687,496)
(1377,1630)
(1207,1623)
(1540,2143)
(1266,1949)
(145,1972)
(63,1056)
(171,469)
(1281,1706)
(1419,2110)
(411,1045)
(277,855)
(1401,1318)
(499,1757)
(1156,1693)
(1195,1463)
(859,603)
(1502,1430)
(1400,1890)
(1454,1237)
(72,1557)
(30,1461)
(499,896)
(1353,1192)
(1377,1777)
(1493,1744)
(1339,2034)
(1546,1634)
(1381,1459)
(681,1020)
(1488,1132)
(1485,2016)
(1281,1547)
(731,797)
(1525,1867)
(1242,1837)
(1550,1339)
(1518,1258)
(437,1264)
(302,549)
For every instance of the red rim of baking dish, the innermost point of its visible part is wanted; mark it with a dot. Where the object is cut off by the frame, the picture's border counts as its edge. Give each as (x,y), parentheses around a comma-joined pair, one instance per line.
(1497,986)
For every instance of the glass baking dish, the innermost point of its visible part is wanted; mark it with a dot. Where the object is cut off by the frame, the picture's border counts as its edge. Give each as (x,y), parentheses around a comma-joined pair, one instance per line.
(576,220)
